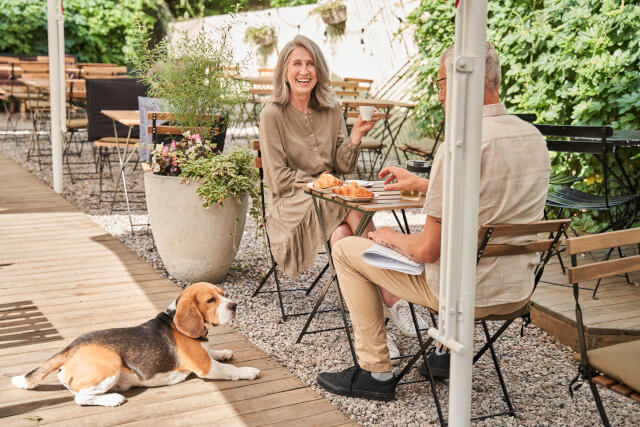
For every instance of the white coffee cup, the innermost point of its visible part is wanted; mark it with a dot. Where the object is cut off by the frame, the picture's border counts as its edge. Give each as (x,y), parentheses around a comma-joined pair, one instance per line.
(366,112)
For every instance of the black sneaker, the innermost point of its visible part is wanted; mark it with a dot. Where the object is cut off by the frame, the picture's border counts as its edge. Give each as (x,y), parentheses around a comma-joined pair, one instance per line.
(356,382)
(438,364)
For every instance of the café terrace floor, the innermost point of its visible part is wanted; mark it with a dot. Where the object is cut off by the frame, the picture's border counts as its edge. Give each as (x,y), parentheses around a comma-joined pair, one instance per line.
(49,297)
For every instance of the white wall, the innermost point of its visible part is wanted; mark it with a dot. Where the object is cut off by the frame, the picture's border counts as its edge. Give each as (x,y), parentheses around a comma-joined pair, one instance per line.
(384,51)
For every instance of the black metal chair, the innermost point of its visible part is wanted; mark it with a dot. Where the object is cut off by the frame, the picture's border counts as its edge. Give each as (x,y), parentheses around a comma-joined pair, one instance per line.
(616,366)
(617,199)
(545,247)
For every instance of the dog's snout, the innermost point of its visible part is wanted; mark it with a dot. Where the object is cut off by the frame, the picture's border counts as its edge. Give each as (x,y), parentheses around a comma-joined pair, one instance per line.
(233,306)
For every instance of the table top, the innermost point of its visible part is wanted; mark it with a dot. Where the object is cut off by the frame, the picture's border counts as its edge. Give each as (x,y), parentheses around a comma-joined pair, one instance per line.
(43,82)
(625,138)
(126,117)
(385,200)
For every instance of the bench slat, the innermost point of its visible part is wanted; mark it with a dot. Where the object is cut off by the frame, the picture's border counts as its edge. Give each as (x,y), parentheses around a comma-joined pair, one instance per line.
(523,229)
(604,381)
(502,250)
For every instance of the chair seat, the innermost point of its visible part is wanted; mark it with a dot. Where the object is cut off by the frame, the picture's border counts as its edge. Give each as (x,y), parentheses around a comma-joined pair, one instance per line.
(368,143)
(566,197)
(556,179)
(509,316)
(619,361)
(111,142)
(77,123)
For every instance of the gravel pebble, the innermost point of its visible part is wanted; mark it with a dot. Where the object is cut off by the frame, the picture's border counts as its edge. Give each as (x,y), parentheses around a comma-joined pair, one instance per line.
(537,368)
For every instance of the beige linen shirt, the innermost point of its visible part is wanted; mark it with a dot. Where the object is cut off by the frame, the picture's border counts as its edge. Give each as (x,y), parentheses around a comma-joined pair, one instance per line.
(514,178)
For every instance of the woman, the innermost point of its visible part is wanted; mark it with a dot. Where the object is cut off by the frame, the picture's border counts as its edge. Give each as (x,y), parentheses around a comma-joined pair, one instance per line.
(302,134)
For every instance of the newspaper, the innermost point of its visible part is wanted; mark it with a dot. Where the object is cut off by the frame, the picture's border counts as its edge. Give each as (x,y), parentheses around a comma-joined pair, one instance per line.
(388,259)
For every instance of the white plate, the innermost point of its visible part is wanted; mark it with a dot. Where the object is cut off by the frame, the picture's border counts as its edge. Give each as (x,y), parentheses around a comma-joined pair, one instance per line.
(361,183)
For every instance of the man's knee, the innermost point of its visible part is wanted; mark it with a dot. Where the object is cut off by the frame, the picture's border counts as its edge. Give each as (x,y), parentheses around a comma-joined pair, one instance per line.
(348,250)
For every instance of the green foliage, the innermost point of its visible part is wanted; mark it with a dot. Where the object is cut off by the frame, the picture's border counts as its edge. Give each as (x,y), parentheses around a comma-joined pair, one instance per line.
(568,61)
(225,176)
(95,31)
(191,73)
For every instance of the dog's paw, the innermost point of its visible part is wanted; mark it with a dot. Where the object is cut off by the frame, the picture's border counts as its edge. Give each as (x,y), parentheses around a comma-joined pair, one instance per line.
(20,381)
(247,373)
(224,355)
(110,399)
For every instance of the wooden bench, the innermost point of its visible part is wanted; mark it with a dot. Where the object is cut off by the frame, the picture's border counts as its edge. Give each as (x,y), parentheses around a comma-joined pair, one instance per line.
(616,366)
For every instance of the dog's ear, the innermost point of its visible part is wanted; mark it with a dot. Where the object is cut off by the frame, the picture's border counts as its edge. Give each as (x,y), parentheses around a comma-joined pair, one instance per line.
(188,318)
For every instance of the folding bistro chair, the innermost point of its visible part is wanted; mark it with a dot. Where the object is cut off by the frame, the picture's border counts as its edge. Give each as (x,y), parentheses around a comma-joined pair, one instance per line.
(545,246)
(273,270)
(616,366)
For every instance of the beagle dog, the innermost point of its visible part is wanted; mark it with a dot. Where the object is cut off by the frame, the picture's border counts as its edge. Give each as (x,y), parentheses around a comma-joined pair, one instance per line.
(163,351)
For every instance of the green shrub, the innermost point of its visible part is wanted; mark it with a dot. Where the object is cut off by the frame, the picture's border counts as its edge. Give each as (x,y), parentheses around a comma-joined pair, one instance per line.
(568,61)
(95,30)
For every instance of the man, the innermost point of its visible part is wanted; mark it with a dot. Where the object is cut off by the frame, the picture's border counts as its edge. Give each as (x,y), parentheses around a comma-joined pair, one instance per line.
(514,177)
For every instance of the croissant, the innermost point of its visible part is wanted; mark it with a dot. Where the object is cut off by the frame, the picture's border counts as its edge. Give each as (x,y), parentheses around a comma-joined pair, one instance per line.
(353,190)
(326,180)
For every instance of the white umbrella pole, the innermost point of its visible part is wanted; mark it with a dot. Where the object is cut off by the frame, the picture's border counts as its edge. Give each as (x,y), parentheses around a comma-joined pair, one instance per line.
(56,83)
(465,94)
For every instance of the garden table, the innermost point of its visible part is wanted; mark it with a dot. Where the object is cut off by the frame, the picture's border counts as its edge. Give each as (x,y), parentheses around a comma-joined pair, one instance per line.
(383,201)
(131,119)
(389,133)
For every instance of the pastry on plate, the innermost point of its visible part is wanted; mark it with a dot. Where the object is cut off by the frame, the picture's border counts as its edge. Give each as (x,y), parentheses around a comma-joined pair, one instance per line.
(326,180)
(353,190)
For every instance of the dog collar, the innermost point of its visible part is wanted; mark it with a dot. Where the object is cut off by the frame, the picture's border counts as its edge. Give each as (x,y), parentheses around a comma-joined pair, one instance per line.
(166,318)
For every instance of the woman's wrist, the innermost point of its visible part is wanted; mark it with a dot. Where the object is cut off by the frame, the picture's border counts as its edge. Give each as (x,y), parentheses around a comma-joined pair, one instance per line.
(355,138)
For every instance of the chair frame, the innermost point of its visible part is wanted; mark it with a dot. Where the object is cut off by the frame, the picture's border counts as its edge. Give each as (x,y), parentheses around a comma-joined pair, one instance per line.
(273,269)
(607,268)
(546,248)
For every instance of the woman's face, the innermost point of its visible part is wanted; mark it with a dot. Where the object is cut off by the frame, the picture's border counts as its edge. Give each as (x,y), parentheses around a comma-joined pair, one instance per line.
(301,72)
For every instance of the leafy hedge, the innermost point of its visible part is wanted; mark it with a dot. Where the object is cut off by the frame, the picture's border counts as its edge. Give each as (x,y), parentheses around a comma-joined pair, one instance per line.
(568,61)
(95,30)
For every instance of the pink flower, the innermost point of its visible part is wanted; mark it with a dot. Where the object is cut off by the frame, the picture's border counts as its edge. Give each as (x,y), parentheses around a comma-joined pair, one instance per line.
(165,151)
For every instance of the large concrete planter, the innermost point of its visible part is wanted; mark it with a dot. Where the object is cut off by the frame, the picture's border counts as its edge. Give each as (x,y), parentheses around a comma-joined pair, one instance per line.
(195,243)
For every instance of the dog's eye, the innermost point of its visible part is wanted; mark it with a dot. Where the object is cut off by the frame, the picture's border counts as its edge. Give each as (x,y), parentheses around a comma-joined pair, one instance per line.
(212,299)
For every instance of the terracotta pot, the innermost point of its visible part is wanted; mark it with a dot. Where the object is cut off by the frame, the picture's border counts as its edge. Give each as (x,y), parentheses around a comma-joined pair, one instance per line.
(195,243)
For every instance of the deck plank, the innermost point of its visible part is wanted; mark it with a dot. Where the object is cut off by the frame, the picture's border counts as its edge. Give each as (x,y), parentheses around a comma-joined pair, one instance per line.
(61,275)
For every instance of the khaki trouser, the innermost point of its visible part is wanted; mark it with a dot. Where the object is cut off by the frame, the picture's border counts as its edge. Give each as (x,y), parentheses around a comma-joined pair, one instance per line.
(359,283)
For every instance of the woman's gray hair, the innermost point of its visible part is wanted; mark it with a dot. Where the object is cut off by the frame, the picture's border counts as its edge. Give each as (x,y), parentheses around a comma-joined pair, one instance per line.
(321,95)
(492,72)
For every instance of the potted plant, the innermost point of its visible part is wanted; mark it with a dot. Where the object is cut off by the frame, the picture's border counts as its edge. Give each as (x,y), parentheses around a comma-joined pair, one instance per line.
(263,36)
(332,12)
(197,197)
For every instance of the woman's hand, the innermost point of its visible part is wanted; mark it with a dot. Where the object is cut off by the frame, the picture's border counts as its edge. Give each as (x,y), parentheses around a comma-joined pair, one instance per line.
(396,178)
(361,127)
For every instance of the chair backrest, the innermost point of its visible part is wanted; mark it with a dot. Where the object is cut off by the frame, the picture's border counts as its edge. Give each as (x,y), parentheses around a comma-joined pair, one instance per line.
(600,269)
(554,229)
(111,94)
(157,130)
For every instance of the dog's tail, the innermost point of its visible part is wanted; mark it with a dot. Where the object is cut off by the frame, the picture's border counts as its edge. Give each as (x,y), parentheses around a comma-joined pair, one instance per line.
(35,377)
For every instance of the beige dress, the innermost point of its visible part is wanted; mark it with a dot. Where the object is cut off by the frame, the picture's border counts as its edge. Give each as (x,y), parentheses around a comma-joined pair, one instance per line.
(296,148)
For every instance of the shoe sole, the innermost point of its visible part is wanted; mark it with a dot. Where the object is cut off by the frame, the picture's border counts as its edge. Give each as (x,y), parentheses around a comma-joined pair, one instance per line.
(361,394)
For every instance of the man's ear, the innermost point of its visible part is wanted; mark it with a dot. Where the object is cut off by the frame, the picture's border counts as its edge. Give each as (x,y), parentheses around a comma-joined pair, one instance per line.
(188,318)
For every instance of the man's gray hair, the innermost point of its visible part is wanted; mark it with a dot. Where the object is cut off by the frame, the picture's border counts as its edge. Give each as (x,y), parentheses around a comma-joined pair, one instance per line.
(321,96)
(492,72)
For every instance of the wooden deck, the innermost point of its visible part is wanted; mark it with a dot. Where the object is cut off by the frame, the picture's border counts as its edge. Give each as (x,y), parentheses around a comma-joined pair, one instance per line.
(611,318)
(61,276)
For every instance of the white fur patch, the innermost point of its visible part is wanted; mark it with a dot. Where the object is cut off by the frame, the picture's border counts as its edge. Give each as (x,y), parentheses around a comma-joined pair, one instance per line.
(225,315)
(20,381)
(129,379)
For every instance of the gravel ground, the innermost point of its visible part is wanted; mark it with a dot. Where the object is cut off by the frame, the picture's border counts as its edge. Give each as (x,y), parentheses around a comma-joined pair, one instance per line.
(537,368)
